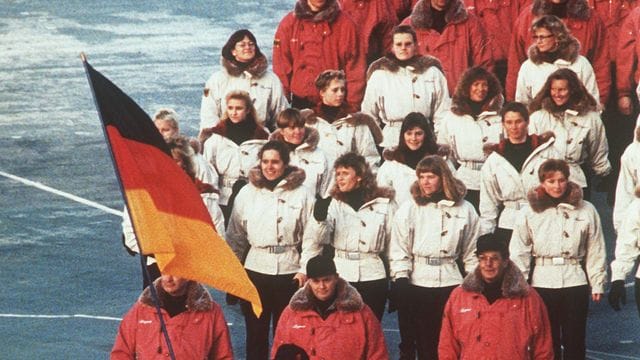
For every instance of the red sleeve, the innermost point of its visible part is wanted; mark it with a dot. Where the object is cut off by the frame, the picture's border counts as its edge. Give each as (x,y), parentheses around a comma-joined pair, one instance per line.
(627,57)
(282,331)
(125,344)
(599,57)
(221,346)
(517,51)
(480,44)
(376,347)
(282,58)
(448,346)
(355,63)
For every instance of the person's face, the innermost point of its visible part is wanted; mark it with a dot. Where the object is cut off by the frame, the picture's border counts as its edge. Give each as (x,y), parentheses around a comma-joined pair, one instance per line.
(544,40)
(237,110)
(244,50)
(293,134)
(404,48)
(271,165)
(346,179)
(166,128)
(323,287)
(492,265)
(439,4)
(555,184)
(515,126)
(429,182)
(414,138)
(316,5)
(333,95)
(560,91)
(479,90)
(173,285)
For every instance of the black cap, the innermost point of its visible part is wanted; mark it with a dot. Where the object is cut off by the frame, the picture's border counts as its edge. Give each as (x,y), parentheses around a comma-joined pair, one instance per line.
(291,352)
(490,242)
(320,266)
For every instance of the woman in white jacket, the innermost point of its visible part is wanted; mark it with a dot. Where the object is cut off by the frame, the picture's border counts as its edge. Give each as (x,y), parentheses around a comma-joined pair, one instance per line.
(265,232)
(404,82)
(561,234)
(244,67)
(628,179)
(433,240)
(553,48)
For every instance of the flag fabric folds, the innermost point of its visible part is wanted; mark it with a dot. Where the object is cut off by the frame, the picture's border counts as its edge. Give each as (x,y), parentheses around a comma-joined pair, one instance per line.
(168,215)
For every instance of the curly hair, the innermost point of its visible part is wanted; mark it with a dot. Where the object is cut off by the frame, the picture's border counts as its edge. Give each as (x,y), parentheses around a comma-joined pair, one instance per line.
(461,99)
(368,183)
(556,27)
(324,79)
(244,96)
(181,150)
(579,98)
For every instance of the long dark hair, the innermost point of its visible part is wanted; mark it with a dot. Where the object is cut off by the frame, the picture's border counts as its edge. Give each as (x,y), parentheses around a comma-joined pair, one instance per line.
(413,120)
(235,38)
(461,100)
(579,98)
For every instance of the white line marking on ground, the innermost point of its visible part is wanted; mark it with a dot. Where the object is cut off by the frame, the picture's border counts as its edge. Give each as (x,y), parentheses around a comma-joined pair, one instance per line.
(614,355)
(45,316)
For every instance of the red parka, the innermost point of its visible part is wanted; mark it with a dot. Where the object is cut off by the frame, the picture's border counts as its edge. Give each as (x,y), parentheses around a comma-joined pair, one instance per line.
(198,333)
(462,44)
(584,24)
(613,13)
(515,326)
(627,69)
(308,43)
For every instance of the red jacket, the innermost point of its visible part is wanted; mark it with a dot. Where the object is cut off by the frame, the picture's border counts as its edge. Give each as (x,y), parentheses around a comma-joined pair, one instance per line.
(612,13)
(627,69)
(584,25)
(462,44)
(351,331)
(306,44)
(515,326)
(375,19)
(198,333)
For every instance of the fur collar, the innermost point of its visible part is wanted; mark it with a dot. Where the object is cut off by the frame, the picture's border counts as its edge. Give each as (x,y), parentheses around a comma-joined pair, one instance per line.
(347,300)
(568,53)
(329,13)
(461,107)
(395,154)
(355,119)
(638,131)
(536,140)
(221,129)
(198,298)
(292,181)
(582,107)
(637,192)
(421,200)
(419,63)
(370,194)
(514,284)
(540,201)
(421,15)
(257,68)
(577,9)
(311,138)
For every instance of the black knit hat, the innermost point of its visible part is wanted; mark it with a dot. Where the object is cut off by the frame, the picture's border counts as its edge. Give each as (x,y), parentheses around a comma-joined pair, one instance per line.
(320,266)
(490,242)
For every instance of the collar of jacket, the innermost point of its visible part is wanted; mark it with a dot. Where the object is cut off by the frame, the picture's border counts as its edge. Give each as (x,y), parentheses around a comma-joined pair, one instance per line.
(569,52)
(309,142)
(382,194)
(541,201)
(395,153)
(422,18)
(312,117)
(460,107)
(329,13)
(418,64)
(221,129)
(536,140)
(422,200)
(513,283)
(292,181)
(198,298)
(257,68)
(347,300)
(577,9)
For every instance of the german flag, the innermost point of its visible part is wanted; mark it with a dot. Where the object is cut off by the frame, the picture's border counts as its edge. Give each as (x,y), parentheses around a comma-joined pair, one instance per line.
(169,217)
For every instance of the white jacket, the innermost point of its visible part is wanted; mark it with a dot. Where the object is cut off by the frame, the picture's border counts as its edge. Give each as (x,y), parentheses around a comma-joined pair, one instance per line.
(360,237)
(560,238)
(270,224)
(579,139)
(263,86)
(502,186)
(628,242)
(394,91)
(427,239)
(205,171)
(628,178)
(467,136)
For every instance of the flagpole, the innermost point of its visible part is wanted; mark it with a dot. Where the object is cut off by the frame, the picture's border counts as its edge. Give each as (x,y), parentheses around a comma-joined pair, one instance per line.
(154,294)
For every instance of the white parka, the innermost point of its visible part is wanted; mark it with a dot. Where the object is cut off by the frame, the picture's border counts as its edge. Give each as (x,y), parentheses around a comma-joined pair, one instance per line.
(628,242)
(270,224)
(427,239)
(394,91)
(561,238)
(628,179)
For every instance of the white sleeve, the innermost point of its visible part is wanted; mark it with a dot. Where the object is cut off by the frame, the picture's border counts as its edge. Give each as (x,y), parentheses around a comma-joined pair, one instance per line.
(521,244)
(627,244)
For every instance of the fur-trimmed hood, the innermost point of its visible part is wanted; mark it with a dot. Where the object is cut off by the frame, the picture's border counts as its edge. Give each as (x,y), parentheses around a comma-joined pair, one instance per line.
(395,153)
(293,180)
(419,64)
(257,68)
(311,137)
(347,300)
(569,52)
(421,200)
(355,119)
(329,13)
(540,201)
(514,284)
(421,17)
(576,9)
(536,140)
(198,298)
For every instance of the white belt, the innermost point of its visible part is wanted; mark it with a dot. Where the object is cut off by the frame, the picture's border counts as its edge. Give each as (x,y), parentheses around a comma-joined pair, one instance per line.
(434,261)
(355,255)
(517,205)
(276,249)
(471,164)
(559,260)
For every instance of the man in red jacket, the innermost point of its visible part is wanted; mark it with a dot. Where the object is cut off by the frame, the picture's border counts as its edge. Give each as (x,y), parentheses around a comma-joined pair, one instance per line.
(495,313)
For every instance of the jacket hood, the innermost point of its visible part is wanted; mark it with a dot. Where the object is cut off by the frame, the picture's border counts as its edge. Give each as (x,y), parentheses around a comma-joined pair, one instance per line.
(420,64)
(577,9)
(569,52)
(514,284)
(257,68)
(311,137)
(536,140)
(329,13)
(422,18)
(460,191)
(293,180)
(395,153)
(198,298)
(540,201)
(462,107)
(347,300)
